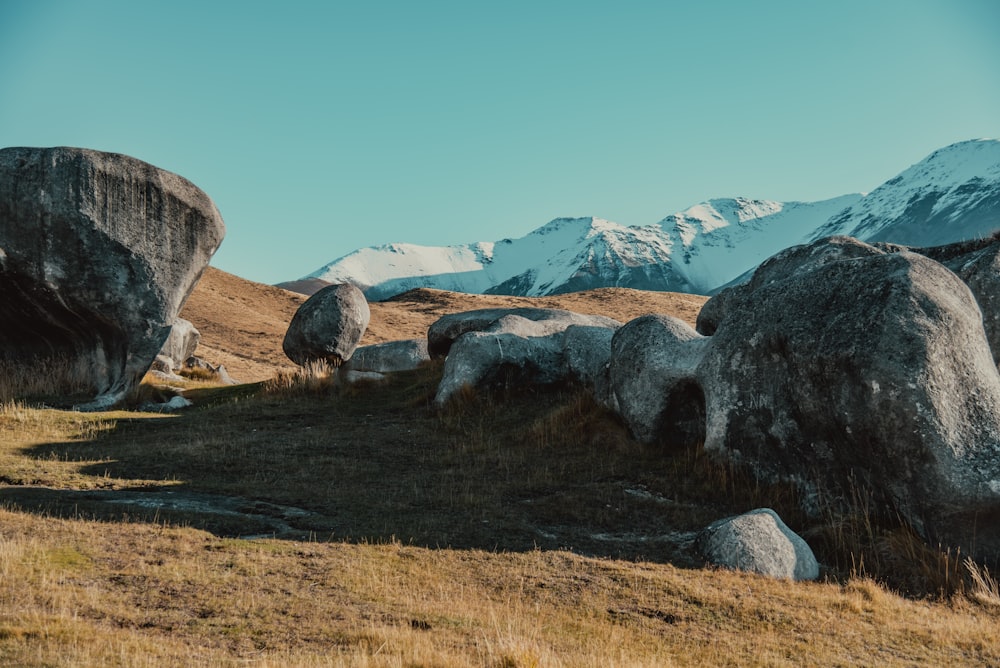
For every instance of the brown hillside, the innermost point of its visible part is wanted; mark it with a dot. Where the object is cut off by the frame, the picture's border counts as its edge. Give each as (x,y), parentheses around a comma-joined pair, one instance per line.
(242,323)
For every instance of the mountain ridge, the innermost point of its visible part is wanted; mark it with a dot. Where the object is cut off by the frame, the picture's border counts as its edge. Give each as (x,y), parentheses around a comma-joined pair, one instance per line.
(951,195)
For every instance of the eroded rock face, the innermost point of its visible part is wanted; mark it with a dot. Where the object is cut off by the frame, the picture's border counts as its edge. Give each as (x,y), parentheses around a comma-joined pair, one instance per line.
(98,252)
(977,263)
(548,347)
(758,542)
(653,366)
(181,343)
(546,321)
(328,326)
(389,356)
(839,366)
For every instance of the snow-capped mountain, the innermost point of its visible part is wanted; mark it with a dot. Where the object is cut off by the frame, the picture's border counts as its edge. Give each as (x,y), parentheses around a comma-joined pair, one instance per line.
(953,194)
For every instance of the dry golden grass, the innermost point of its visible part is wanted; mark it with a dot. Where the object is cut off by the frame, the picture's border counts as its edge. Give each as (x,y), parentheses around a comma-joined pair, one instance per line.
(515,528)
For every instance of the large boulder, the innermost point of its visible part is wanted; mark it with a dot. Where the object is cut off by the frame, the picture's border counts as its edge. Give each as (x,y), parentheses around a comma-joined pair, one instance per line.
(328,326)
(842,366)
(446,329)
(758,542)
(502,345)
(388,357)
(98,252)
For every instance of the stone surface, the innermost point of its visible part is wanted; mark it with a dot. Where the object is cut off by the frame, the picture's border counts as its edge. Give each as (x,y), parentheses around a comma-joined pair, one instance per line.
(758,542)
(328,326)
(389,356)
(977,263)
(98,252)
(653,365)
(839,366)
(181,343)
(532,322)
(526,350)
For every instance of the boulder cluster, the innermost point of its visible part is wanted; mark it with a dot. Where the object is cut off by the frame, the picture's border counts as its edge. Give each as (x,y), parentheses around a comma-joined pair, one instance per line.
(842,367)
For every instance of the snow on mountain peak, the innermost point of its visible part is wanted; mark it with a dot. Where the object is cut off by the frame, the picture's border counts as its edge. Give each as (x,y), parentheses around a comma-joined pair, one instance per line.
(951,195)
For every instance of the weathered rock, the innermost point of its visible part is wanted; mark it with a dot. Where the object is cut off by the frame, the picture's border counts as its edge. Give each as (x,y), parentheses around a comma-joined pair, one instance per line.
(586,351)
(181,343)
(546,321)
(389,357)
(536,350)
(98,252)
(351,377)
(977,263)
(328,326)
(653,365)
(848,368)
(758,542)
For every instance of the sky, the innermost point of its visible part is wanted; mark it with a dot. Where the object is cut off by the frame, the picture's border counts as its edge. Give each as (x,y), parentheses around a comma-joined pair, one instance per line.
(321,127)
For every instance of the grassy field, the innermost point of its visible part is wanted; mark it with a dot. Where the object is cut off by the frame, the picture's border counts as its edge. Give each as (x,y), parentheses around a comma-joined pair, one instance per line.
(291,523)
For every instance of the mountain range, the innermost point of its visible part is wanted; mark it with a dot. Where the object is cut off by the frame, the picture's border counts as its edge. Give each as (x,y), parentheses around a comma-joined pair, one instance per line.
(951,195)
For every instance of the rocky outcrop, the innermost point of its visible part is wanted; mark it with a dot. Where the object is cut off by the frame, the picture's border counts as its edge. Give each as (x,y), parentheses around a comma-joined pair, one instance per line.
(98,252)
(443,333)
(758,542)
(839,365)
(328,326)
(503,345)
(389,357)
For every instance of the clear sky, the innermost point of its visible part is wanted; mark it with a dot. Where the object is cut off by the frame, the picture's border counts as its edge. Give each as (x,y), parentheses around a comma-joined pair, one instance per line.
(322,127)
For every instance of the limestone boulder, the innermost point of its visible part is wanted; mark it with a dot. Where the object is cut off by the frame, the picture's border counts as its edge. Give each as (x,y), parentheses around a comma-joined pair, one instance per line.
(841,367)
(653,374)
(758,542)
(977,263)
(98,252)
(328,326)
(532,322)
(511,348)
(389,357)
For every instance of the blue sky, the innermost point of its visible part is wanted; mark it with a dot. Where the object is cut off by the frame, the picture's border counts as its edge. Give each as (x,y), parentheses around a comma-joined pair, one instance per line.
(322,127)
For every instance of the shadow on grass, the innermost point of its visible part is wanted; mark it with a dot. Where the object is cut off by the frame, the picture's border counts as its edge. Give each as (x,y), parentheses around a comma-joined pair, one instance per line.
(513,470)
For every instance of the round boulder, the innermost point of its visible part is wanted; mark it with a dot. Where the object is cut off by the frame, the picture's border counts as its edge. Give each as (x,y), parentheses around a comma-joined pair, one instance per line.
(758,542)
(328,326)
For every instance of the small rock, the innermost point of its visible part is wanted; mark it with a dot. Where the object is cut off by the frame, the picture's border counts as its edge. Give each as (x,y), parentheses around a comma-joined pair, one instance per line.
(758,542)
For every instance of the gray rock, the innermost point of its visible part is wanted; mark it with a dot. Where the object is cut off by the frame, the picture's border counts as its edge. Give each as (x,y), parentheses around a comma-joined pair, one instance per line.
(98,252)
(328,326)
(389,357)
(181,342)
(977,263)
(536,350)
(758,542)
(443,333)
(849,367)
(653,365)
(350,376)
